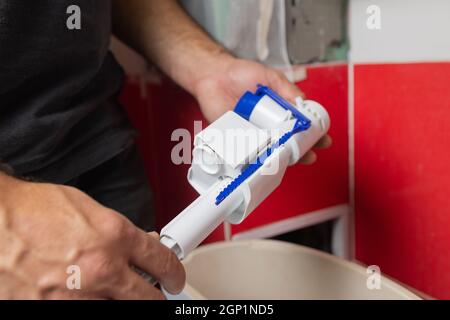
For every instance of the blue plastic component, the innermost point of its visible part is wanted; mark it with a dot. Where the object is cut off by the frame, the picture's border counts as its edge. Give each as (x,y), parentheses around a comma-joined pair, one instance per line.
(246,104)
(244,108)
(249,100)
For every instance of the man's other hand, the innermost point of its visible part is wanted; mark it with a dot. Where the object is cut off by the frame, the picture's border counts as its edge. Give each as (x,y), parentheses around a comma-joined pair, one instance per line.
(52,236)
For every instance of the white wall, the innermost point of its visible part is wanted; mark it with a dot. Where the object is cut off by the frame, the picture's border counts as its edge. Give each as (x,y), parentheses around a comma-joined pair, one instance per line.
(411,30)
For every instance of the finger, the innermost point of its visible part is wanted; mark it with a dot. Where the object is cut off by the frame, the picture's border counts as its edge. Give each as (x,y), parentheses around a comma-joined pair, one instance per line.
(134,287)
(324,142)
(152,257)
(309,158)
(290,91)
(279,83)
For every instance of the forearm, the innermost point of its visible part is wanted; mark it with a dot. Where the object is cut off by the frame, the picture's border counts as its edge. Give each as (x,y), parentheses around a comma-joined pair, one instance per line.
(167,36)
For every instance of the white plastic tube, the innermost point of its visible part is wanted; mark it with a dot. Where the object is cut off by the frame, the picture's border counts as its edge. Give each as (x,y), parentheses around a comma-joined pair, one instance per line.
(187,230)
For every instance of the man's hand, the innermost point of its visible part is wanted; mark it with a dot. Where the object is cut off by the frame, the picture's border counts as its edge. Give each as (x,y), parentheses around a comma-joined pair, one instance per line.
(45,229)
(220,90)
(169,38)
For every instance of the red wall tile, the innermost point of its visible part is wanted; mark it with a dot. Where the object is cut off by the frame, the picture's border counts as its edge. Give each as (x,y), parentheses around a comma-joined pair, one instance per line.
(402,157)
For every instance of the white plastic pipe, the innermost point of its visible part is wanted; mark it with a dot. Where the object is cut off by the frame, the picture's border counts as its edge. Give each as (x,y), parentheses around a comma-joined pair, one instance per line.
(187,230)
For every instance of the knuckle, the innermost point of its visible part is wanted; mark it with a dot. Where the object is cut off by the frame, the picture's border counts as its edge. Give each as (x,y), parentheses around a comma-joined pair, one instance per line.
(116,228)
(100,266)
(280,74)
(276,77)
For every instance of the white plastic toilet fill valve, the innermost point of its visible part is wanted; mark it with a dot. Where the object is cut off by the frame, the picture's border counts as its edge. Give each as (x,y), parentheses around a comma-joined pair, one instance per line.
(239,160)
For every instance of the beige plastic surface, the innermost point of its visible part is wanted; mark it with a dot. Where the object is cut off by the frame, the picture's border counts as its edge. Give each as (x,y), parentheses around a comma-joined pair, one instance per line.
(267,269)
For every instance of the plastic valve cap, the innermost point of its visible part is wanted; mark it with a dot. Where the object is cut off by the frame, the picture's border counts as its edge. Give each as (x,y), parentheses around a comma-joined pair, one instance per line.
(246,104)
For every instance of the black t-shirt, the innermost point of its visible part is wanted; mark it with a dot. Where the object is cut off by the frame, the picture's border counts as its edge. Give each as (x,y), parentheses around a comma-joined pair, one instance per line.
(58,88)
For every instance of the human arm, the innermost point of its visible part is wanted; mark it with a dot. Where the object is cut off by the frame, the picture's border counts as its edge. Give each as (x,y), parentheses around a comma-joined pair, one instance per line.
(163,33)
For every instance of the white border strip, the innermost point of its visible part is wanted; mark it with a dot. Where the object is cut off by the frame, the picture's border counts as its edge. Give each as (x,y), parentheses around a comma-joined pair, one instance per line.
(295,223)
